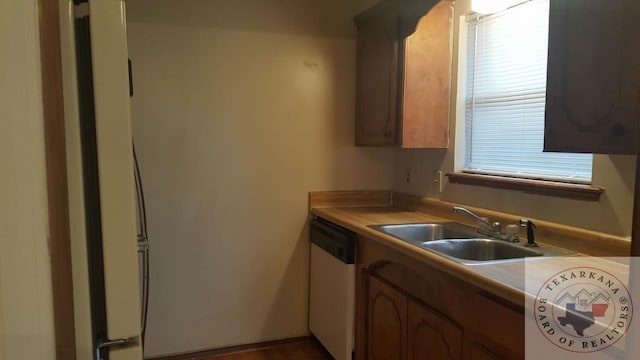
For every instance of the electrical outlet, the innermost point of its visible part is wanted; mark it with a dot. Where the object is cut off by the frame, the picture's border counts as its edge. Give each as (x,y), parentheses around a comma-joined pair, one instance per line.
(437,181)
(407,175)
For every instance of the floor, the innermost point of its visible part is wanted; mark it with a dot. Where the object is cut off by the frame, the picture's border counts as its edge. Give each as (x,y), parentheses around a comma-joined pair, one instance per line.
(302,350)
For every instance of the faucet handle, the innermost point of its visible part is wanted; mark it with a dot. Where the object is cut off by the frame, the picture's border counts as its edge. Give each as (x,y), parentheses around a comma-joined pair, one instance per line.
(512,232)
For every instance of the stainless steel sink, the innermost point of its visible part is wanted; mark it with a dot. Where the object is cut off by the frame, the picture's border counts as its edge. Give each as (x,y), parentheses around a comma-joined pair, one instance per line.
(471,251)
(418,233)
(461,243)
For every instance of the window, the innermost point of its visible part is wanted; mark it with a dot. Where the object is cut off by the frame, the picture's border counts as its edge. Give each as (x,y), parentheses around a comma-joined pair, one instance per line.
(505,98)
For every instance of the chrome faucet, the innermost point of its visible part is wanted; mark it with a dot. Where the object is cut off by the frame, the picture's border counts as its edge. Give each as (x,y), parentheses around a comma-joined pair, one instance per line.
(491,229)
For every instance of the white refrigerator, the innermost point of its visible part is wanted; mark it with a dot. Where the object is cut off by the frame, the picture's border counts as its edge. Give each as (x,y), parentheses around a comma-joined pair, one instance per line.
(102,202)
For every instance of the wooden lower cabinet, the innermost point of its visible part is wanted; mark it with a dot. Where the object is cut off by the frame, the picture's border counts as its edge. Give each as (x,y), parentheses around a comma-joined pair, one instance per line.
(432,336)
(387,322)
(475,351)
(400,328)
(409,310)
(494,328)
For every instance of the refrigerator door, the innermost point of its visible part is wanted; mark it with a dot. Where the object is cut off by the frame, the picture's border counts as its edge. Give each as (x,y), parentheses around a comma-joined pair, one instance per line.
(75,185)
(101,183)
(115,167)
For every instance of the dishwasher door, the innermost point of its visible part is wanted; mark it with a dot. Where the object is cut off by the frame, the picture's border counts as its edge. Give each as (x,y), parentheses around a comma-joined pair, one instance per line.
(332,288)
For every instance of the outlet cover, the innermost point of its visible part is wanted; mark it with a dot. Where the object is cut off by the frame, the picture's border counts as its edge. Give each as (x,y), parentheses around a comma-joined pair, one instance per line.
(437,181)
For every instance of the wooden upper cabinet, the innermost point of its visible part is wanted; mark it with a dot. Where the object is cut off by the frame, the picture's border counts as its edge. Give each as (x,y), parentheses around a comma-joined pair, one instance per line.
(426,56)
(593,76)
(404,74)
(377,76)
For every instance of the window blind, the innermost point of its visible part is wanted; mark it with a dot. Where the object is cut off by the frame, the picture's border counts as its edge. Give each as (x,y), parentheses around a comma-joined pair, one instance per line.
(505,98)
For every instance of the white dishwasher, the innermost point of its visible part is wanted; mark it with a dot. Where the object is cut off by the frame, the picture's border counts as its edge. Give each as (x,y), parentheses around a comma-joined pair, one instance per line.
(332,287)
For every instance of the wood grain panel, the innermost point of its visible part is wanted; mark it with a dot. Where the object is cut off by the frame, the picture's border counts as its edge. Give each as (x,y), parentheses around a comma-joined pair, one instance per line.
(475,351)
(387,322)
(453,302)
(481,324)
(538,187)
(426,88)
(593,76)
(361,321)
(407,275)
(431,336)
(349,198)
(57,194)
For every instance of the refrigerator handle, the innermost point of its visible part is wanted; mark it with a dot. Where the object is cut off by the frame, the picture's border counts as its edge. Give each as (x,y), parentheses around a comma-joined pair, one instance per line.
(113,343)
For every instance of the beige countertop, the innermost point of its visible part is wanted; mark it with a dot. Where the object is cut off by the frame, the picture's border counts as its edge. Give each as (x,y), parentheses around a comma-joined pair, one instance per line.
(503,279)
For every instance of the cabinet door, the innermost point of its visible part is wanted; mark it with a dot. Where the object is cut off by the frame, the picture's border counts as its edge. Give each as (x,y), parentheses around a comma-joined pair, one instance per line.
(387,324)
(426,80)
(432,336)
(474,351)
(500,329)
(593,76)
(377,76)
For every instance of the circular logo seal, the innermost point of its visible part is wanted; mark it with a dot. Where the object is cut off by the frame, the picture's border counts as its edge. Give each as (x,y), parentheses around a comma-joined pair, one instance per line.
(583,309)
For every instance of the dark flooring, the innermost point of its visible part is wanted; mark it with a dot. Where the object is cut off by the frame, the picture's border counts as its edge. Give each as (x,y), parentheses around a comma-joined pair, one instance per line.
(299,350)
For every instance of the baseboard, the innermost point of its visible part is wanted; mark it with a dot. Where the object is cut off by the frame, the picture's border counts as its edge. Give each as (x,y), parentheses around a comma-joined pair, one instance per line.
(233,349)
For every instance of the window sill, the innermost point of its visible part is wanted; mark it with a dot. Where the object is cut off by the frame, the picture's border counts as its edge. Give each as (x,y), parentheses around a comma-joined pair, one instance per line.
(539,187)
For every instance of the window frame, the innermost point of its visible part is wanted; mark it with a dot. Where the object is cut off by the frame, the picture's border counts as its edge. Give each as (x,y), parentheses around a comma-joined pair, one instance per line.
(579,190)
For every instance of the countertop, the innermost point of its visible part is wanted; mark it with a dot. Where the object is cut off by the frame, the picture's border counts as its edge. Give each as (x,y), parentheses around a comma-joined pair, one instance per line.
(503,279)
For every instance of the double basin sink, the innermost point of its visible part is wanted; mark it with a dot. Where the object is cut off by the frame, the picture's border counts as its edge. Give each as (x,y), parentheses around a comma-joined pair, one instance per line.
(462,243)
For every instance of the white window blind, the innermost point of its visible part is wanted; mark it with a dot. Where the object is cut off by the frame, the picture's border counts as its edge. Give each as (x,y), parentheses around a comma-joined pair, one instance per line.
(505,98)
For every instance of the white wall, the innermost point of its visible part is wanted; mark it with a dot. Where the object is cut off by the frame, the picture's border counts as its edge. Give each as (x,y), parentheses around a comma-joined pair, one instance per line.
(240,109)
(26,314)
(611,214)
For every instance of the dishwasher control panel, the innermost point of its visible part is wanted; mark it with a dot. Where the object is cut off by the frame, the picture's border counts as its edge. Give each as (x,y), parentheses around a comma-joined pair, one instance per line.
(335,240)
